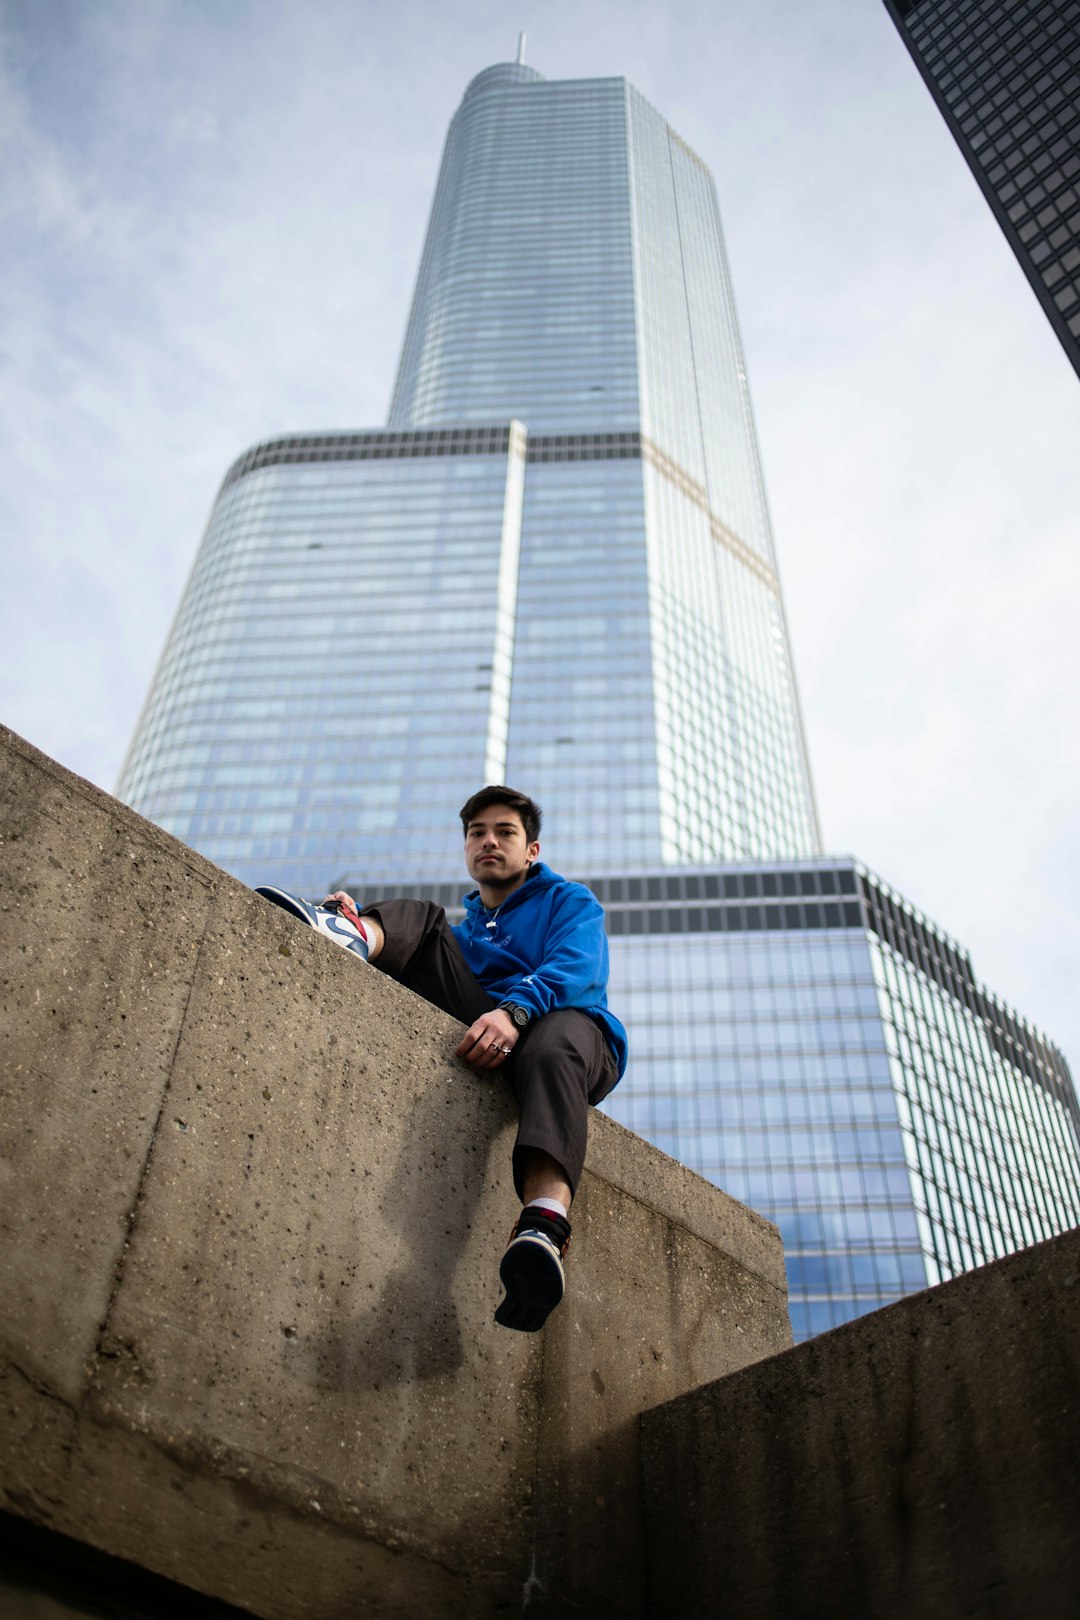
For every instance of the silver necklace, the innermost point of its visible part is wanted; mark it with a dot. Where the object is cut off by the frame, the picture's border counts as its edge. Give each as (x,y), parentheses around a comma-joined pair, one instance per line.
(494,919)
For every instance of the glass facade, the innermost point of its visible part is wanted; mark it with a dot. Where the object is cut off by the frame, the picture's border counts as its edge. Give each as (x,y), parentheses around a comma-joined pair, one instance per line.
(554,568)
(803,1037)
(1006,76)
(574,277)
(339,669)
(524,304)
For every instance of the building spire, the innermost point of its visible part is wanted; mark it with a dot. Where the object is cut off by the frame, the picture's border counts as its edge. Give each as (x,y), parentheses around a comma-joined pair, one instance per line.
(521,49)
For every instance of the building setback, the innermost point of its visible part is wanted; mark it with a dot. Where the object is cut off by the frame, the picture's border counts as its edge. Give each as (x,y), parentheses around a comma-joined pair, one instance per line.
(1006,77)
(554,567)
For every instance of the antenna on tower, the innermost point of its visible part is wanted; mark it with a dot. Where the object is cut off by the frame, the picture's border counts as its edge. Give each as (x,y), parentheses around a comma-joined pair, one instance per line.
(521,49)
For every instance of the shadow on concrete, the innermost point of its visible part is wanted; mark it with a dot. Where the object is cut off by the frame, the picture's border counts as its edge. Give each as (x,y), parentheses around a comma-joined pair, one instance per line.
(413,1332)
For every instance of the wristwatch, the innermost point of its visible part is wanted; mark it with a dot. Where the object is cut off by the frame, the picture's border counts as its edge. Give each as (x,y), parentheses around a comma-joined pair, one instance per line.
(519,1015)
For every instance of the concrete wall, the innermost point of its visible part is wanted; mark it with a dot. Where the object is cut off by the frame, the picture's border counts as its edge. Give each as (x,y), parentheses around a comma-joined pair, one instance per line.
(922,1461)
(251,1212)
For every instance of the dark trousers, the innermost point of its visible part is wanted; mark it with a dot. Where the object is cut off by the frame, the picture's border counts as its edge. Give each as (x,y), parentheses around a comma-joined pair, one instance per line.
(561,1062)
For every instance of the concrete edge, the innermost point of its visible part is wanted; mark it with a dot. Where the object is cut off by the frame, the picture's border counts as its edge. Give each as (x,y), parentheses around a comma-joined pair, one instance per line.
(949,1300)
(110,804)
(936,1438)
(616,1155)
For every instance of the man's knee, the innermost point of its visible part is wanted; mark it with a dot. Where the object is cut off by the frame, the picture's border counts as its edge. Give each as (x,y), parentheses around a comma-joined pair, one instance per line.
(565,1049)
(564,1033)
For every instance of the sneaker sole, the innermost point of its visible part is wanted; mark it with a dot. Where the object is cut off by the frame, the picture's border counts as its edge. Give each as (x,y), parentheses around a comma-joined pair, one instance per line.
(532,1271)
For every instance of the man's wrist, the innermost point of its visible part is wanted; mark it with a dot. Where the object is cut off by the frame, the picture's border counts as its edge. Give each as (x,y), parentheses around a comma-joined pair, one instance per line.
(518,1015)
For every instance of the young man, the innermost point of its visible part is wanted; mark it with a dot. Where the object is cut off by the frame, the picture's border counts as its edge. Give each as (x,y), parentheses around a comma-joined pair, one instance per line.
(527,971)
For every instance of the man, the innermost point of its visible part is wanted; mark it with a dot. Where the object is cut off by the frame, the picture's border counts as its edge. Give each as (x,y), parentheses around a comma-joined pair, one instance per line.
(527,971)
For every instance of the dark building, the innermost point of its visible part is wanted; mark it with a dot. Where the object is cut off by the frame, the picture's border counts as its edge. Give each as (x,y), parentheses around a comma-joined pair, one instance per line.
(1006,76)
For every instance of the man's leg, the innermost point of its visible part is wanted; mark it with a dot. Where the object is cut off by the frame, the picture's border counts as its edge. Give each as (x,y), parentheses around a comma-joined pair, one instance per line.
(543,1177)
(561,1067)
(415,945)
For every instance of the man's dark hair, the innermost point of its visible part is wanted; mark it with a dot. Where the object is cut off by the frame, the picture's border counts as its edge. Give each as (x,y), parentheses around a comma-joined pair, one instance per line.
(497,793)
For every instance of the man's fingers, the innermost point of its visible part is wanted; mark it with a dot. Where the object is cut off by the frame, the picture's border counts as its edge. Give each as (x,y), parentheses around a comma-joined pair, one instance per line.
(473,1050)
(482,1047)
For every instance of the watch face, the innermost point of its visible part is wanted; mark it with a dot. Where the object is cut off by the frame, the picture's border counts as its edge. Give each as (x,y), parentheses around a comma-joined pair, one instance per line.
(519,1015)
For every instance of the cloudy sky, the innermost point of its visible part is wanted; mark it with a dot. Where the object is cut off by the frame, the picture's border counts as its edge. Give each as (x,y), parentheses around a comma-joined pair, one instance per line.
(211,213)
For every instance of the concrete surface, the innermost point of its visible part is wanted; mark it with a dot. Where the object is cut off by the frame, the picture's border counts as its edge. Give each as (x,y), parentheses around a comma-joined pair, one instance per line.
(251,1212)
(922,1461)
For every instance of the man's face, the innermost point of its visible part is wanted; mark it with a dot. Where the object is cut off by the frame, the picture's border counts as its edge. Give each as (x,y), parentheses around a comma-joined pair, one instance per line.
(497,853)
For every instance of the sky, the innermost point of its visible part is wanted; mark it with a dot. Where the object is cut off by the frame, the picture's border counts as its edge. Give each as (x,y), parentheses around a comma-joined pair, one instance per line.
(211,214)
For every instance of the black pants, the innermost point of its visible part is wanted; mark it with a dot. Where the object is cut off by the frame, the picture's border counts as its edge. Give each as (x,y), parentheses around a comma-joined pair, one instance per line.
(561,1062)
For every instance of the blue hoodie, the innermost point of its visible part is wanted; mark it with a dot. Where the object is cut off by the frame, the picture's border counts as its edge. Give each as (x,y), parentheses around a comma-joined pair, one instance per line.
(547,949)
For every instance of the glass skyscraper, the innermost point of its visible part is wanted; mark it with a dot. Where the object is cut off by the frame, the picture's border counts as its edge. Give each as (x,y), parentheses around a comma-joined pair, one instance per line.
(554,567)
(1005,74)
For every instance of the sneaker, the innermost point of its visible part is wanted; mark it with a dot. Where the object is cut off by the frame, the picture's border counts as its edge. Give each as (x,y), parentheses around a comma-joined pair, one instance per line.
(333,920)
(532,1270)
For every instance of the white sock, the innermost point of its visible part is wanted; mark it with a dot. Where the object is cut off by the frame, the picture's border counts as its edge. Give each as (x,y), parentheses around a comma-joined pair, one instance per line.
(552,1205)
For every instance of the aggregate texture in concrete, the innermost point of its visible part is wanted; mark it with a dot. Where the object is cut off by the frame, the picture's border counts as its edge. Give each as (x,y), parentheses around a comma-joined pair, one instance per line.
(251,1218)
(921,1461)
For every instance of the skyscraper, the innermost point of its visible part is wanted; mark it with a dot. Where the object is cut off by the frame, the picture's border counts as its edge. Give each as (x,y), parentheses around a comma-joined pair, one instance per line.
(1006,77)
(554,567)
(555,563)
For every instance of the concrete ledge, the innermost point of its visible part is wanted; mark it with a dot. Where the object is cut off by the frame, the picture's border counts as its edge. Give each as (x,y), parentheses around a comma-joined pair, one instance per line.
(250,1223)
(924,1460)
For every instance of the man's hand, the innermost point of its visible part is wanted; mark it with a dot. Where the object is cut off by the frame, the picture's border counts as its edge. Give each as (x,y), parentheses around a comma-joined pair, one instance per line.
(341,897)
(490,1040)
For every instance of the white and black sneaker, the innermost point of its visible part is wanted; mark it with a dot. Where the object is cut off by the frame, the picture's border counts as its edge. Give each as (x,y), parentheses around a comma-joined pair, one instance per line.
(532,1269)
(334,921)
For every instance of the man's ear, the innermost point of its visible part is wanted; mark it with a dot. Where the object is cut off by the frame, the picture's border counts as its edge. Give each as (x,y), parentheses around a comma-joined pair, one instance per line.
(531,853)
